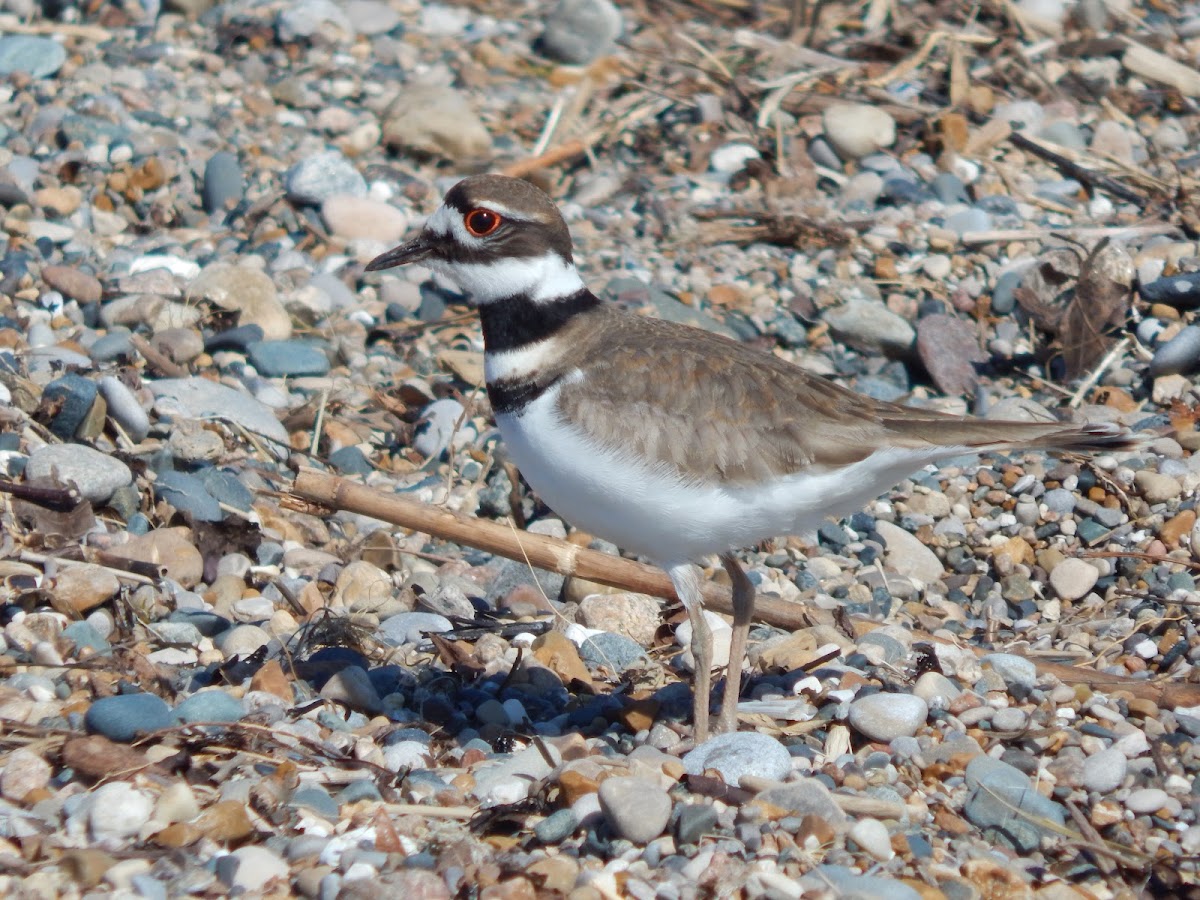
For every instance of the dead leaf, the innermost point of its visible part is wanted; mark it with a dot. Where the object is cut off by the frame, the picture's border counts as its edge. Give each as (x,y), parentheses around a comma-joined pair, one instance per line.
(1101,301)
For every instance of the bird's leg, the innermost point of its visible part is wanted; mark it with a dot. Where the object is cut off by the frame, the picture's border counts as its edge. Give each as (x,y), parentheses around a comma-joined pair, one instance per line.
(686,579)
(743,611)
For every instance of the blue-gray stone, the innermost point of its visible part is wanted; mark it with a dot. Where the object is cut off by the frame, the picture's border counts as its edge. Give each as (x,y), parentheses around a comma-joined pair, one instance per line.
(361,789)
(287,359)
(124,717)
(236,339)
(558,826)
(738,754)
(1181,291)
(74,396)
(968,220)
(409,627)
(1004,296)
(1059,500)
(1016,671)
(225,487)
(37,57)
(179,634)
(845,882)
(83,635)
(949,188)
(1178,356)
(1065,134)
(316,799)
(1090,530)
(1004,801)
(694,822)
(224,182)
(112,346)
(210,706)
(269,553)
(313,180)
(893,650)
(613,651)
(148,887)
(188,494)
(207,623)
(350,461)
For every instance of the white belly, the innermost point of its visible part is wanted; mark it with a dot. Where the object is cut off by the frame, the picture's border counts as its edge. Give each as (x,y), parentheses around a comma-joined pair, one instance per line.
(650,510)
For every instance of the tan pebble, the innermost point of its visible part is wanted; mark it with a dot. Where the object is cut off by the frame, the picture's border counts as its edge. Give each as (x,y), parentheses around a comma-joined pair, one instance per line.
(556,652)
(73,283)
(82,588)
(638,715)
(25,772)
(554,874)
(243,289)
(225,822)
(98,757)
(171,548)
(1176,527)
(176,835)
(575,785)
(86,867)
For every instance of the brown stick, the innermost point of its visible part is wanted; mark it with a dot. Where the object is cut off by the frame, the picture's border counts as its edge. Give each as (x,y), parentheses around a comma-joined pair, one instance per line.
(567,559)
(158,360)
(540,551)
(552,157)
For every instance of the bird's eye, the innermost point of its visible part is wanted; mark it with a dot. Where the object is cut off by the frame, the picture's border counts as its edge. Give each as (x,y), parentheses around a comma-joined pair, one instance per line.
(481,222)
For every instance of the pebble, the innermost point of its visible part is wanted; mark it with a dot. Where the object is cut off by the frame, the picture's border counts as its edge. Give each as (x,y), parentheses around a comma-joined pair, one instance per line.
(636,809)
(737,755)
(316,178)
(287,359)
(224,182)
(125,716)
(96,474)
(857,129)
(36,57)
(949,349)
(578,31)
(872,836)
(908,556)
(437,121)
(885,717)
(871,325)
(1104,771)
(117,811)
(1073,578)
(358,218)
(1179,355)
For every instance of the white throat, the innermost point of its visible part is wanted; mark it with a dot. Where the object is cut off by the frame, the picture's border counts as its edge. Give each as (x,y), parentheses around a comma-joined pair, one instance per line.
(541,278)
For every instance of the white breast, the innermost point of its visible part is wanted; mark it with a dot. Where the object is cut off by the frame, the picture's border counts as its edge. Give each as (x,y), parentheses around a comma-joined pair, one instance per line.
(650,510)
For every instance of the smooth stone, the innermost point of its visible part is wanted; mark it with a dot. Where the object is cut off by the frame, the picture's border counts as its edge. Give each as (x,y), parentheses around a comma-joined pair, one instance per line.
(84,587)
(224,183)
(323,175)
(73,283)
(615,652)
(188,494)
(1180,355)
(936,689)
(872,836)
(637,616)
(694,822)
(242,640)
(949,348)
(24,771)
(225,487)
(256,866)
(858,129)
(411,627)
(579,31)
(436,121)
(357,218)
(1145,801)
(808,796)
(74,396)
(840,881)
(117,811)
(1104,772)
(37,57)
(729,159)
(353,686)
(288,359)
(1156,487)
(199,398)
(556,827)
(885,717)
(636,808)
(210,706)
(1017,671)
(871,325)
(173,549)
(125,408)
(123,717)
(436,430)
(739,754)
(1073,578)
(905,553)
(96,474)
(371,17)
(969,220)
(1003,798)
(316,799)
(508,780)
(247,291)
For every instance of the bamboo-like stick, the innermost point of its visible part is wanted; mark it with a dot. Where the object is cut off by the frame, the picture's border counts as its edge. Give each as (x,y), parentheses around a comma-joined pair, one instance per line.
(539,550)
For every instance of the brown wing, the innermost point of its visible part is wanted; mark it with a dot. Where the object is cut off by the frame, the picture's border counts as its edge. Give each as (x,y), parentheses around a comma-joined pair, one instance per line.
(722,407)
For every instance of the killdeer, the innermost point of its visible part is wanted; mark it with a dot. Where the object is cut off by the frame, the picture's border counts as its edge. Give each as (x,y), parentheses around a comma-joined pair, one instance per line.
(669,441)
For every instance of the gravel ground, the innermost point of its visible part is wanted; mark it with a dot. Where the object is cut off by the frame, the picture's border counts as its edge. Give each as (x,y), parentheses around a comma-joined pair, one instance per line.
(207,688)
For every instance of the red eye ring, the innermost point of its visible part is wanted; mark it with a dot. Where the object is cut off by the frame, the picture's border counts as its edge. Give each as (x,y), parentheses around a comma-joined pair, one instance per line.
(481,222)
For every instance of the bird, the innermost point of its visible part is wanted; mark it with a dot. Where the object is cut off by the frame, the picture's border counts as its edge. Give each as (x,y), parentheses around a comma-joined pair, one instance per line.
(673,442)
